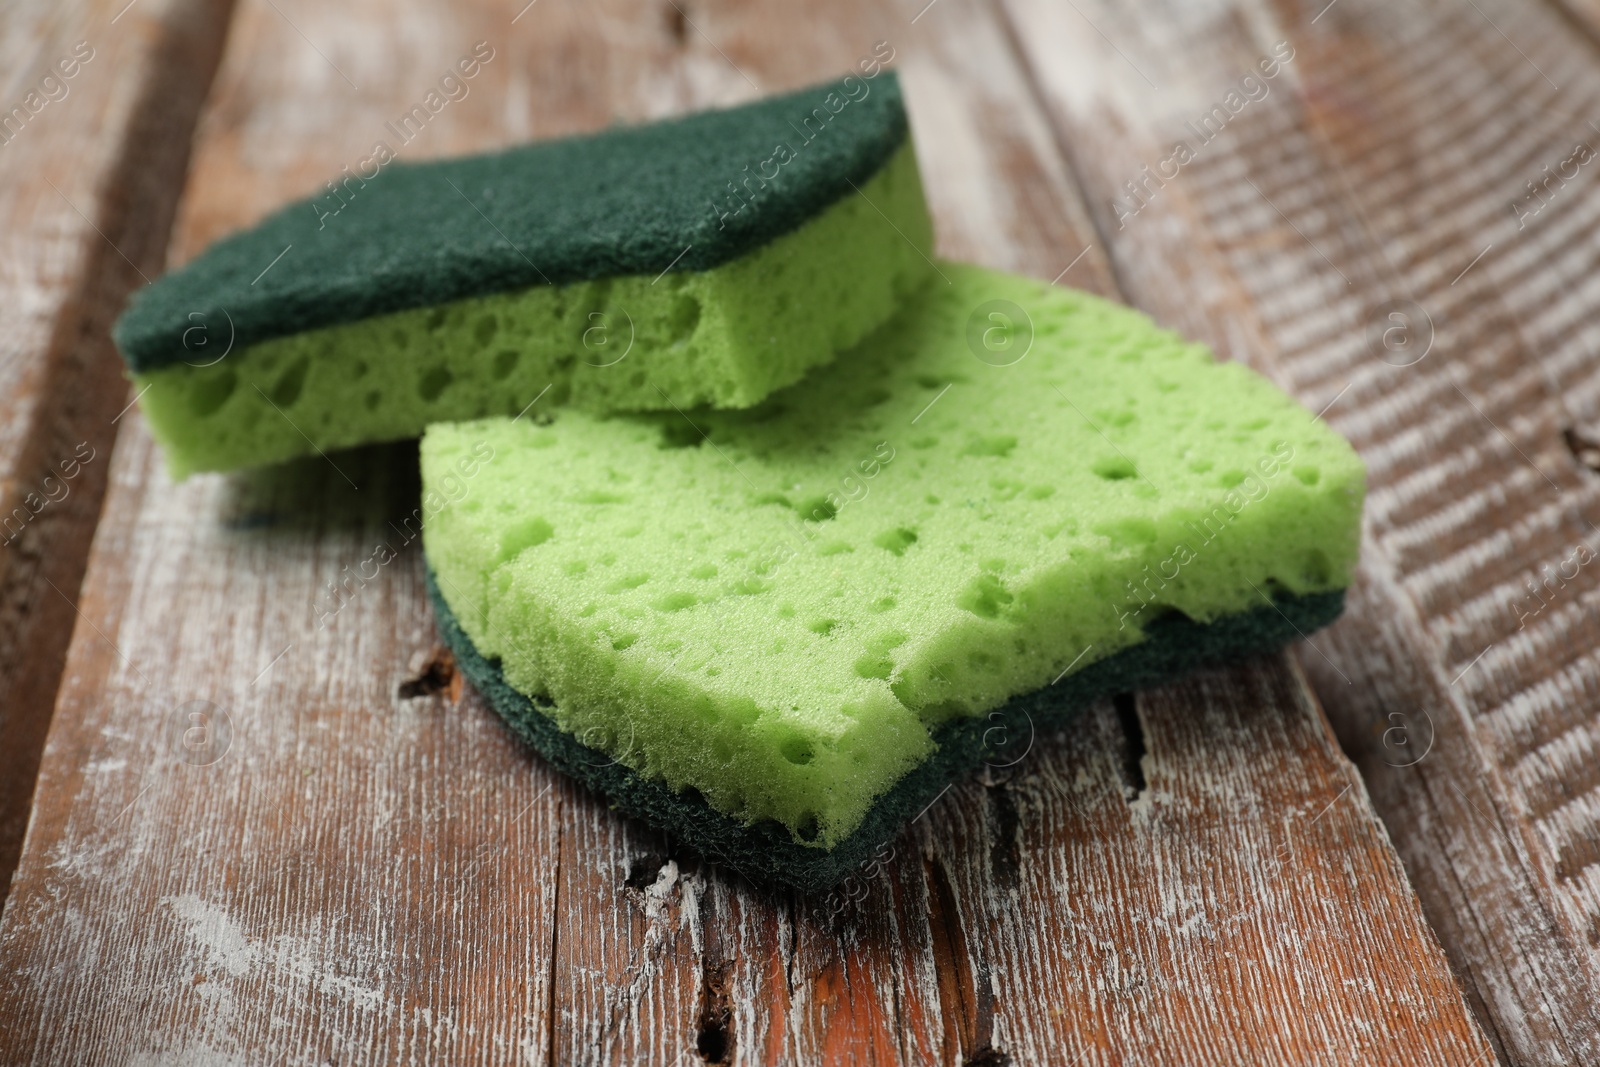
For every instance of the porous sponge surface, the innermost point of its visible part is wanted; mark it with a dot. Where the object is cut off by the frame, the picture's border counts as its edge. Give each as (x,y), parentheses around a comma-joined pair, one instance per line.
(725,337)
(630,200)
(776,608)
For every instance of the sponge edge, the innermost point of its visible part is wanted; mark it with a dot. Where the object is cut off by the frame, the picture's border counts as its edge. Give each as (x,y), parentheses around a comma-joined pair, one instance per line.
(779,608)
(725,337)
(767,853)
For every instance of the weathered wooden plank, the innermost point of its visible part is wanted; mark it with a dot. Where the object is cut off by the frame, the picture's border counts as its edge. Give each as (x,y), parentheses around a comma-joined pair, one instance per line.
(97,110)
(1386,172)
(372,879)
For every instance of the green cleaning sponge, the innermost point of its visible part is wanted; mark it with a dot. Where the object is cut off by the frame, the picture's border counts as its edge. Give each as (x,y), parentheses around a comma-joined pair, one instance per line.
(768,853)
(707,260)
(778,613)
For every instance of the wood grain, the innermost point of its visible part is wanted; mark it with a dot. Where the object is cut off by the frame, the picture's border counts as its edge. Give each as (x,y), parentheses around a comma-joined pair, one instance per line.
(89,173)
(1194,875)
(1391,161)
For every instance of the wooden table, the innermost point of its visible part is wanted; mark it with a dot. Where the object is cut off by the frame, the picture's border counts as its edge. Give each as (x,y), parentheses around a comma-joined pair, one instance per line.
(1381,848)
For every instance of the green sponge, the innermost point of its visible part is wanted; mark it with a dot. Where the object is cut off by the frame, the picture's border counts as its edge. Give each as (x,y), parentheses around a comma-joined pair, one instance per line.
(767,852)
(781,609)
(707,260)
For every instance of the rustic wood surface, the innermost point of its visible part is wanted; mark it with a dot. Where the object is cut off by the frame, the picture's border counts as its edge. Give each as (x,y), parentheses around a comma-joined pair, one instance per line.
(1389,168)
(90,171)
(1195,875)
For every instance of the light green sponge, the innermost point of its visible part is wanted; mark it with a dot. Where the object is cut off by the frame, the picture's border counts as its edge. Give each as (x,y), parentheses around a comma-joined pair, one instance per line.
(706,260)
(777,608)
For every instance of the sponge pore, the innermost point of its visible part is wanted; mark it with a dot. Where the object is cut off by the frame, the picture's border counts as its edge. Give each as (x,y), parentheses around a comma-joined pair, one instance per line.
(778,608)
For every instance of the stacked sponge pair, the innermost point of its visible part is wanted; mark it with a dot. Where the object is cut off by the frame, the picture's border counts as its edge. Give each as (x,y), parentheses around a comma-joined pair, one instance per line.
(763,523)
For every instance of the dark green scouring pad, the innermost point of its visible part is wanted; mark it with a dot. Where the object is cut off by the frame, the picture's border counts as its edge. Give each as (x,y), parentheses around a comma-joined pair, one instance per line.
(706,260)
(788,612)
(767,853)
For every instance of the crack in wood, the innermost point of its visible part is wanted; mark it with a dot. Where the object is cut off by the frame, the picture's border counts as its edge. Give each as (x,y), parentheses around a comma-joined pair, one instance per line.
(643,871)
(787,944)
(714,1036)
(1133,746)
(437,675)
(677,23)
(550,1018)
(965,992)
(714,1033)
(1005,859)
(1585,447)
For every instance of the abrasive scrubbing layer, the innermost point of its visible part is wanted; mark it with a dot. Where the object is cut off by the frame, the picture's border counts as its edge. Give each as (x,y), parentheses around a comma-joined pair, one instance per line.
(777,607)
(766,852)
(724,337)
